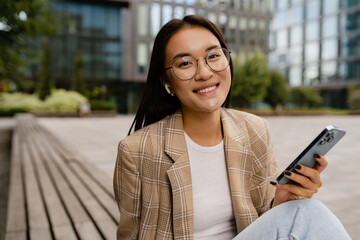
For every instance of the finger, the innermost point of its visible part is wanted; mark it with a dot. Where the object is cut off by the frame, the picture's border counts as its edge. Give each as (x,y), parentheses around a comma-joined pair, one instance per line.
(298,191)
(310,173)
(313,182)
(321,162)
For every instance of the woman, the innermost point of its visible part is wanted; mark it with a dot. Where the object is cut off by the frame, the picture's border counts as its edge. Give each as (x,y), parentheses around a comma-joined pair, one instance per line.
(194,168)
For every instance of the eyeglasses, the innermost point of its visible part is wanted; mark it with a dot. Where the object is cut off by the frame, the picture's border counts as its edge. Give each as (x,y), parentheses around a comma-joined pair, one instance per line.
(186,67)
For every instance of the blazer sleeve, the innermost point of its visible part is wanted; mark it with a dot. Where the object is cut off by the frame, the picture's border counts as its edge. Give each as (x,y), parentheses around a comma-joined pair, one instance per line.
(127,189)
(261,186)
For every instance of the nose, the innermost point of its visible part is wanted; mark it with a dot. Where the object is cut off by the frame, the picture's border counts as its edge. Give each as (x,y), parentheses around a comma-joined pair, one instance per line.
(203,72)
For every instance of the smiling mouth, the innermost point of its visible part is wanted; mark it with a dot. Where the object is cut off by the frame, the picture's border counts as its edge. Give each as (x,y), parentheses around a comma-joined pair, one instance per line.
(208,89)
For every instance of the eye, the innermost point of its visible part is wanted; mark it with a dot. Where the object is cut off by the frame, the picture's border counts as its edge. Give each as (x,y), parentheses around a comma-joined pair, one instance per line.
(183,62)
(214,55)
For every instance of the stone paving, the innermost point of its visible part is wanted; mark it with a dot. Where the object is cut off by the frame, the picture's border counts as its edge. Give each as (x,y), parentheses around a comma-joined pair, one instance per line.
(96,139)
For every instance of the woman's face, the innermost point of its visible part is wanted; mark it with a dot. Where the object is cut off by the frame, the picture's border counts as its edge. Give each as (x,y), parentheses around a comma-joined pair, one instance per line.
(208,89)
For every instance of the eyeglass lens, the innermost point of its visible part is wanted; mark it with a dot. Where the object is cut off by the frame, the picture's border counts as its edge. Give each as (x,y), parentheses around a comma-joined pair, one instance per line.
(186,67)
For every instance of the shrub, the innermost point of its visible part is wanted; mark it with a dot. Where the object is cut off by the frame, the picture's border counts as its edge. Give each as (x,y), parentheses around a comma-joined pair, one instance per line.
(305,97)
(62,101)
(102,105)
(354,100)
(11,103)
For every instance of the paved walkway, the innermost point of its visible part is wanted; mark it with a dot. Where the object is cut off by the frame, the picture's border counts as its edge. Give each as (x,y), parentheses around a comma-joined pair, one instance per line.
(96,140)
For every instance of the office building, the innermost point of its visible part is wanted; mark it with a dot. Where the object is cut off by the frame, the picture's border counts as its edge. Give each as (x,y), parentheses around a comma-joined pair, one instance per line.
(115,38)
(317,43)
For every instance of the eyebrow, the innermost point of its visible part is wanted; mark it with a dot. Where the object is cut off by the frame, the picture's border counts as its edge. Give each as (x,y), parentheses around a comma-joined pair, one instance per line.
(180,55)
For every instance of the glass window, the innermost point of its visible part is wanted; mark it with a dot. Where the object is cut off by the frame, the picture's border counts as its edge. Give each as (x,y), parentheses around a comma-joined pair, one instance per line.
(142,19)
(312,31)
(243,30)
(330,27)
(212,17)
(282,4)
(252,31)
(351,46)
(353,70)
(141,57)
(330,7)
(98,60)
(190,11)
(312,52)
(178,12)
(296,55)
(155,18)
(98,20)
(295,76)
(282,38)
(297,14)
(311,74)
(113,18)
(190,2)
(112,59)
(232,27)
(329,49)
(313,9)
(166,14)
(179,1)
(328,71)
(296,35)
(280,20)
(295,2)
(352,21)
(350,3)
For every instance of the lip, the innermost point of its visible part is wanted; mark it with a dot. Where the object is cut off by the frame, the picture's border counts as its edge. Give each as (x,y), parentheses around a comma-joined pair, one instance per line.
(216,85)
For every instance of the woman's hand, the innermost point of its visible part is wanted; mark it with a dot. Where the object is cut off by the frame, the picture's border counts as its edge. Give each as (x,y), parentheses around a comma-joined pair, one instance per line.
(308,179)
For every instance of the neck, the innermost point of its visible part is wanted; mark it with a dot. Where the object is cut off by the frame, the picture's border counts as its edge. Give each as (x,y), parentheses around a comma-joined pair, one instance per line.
(203,128)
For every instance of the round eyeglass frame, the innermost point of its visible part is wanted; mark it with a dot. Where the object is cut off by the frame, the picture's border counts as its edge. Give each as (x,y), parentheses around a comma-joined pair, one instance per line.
(197,64)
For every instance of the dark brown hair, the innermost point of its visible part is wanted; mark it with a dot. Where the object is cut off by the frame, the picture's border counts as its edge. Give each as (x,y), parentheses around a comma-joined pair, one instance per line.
(156,103)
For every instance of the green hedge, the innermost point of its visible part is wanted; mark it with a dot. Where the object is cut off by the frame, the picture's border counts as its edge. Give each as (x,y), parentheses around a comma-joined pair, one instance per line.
(60,101)
(102,105)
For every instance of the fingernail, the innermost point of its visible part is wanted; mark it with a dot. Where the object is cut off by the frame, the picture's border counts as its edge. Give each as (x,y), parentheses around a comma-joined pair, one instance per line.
(287,173)
(298,167)
(316,155)
(273,183)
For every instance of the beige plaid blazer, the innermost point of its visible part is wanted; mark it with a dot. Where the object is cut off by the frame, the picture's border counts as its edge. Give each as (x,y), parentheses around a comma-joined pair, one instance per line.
(152,179)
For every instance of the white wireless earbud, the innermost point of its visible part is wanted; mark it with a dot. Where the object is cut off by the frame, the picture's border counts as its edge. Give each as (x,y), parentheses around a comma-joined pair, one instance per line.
(168,89)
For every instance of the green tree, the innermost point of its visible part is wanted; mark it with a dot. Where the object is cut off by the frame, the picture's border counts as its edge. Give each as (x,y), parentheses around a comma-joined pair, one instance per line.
(45,74)
(251,78)
(354,96)
(305,97)
(19,21)
(277,92)
(78,82)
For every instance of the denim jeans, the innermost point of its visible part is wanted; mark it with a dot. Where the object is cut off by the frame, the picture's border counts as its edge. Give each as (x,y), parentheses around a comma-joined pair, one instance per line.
(296,220)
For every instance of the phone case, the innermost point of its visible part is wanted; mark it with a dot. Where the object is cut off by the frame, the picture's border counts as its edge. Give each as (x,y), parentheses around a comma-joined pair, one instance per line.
(320,145)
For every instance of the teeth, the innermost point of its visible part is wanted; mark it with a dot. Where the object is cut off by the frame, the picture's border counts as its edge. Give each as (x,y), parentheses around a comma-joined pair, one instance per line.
(205,90)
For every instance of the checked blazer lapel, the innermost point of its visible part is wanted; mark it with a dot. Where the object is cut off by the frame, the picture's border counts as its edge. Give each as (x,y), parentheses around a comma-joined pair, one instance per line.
(239,167)
(180,178)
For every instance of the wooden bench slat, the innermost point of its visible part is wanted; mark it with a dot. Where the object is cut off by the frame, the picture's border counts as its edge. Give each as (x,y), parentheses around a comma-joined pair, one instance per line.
(70,156)
(36,211)
(83,224)
(108,203)
(16,235)
(61,190)
(16,219)
(64,232)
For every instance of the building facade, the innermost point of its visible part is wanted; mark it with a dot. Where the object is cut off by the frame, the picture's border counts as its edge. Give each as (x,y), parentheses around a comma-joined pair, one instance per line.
(317,43)
(115,38)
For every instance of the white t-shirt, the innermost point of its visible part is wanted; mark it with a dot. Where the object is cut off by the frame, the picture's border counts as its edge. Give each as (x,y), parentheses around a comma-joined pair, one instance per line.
(213,213)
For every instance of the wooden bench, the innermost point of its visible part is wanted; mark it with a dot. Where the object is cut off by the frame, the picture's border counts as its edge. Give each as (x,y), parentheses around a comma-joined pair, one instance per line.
(53,194)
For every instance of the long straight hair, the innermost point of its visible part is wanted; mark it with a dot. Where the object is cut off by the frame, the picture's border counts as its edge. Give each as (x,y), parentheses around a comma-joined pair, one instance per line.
(156,103)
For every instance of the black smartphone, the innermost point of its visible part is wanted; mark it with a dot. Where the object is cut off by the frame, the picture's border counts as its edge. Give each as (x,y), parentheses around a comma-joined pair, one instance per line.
(320,145)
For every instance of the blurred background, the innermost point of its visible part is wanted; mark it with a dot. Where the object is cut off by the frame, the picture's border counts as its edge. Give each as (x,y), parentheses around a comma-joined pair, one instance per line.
(289,55)
(82,58)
